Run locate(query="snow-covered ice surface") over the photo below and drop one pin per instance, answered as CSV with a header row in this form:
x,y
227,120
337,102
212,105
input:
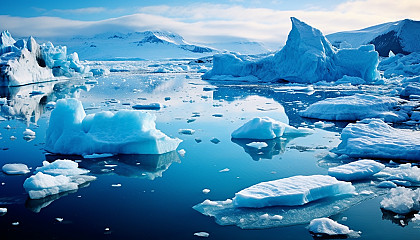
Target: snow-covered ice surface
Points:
x,y
404,174
293,191
71,131
307,57
357,170
402,200
358,107
373,138
15,168
328,227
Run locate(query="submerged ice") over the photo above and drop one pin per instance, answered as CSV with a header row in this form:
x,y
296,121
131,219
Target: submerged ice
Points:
x,y
71,131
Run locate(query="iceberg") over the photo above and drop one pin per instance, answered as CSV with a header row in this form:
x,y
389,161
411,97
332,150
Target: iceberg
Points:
x,y
15,168
373,138
357,170
402,200
72,132
307,57
357,107
292,191
329,227
264,128
25,61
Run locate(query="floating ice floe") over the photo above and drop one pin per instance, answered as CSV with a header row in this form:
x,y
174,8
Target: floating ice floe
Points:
x,y
357,107
357,170
24,62
328,227
226,213
3,211
257,145
70,131
307,57
404,174
186,131
28,134
292,191
15,168
267,128
373,138
202,234
401,65
54,178
402,200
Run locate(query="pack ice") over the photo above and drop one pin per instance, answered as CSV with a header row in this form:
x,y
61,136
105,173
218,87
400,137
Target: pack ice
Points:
x,y
307,57
373,138
357,170
71,131
267,128
292,191
56,177
25,61
357,107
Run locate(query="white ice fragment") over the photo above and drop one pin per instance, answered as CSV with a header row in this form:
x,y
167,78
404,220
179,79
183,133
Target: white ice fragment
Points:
x,y
206,191
357,170
257,145
182,152
61,167
357,107
116,185
292,191
15,223
402,200
404,172
3,211
373,138
186,131
326,226
70,131
202,234
225,170
266,216
15,168
28,134
59,219
267,128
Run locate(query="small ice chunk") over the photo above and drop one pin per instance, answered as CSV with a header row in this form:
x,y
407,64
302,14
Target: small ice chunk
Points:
x,y
202,234
225,170
151,106
326,226
3,211
61,167
292,191
182,152
116,185
15,223
404,172
206,191
402,200
266,128
357,170
28,134
186,131
59,219
257,145
15,168
50,105
41,185
386,184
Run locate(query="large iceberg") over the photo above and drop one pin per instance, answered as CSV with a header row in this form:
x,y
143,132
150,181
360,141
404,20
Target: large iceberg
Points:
x,y
358,107
357,170
25,61
267,128
292,191
373,138
307,57
71,131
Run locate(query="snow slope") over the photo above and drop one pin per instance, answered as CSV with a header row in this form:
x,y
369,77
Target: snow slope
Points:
x,y
150,45
399,37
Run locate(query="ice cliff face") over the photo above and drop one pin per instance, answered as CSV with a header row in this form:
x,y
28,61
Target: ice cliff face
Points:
x,y
307,57
25,61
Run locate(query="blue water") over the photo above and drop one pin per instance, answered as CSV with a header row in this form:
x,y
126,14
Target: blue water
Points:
x,y
157,193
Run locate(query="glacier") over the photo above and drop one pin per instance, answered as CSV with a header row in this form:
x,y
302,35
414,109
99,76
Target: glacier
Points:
x,y
71,131
307,57
373,138
358,107
25,61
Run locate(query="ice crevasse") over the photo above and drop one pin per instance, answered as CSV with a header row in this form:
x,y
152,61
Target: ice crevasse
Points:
x,y
71,131
307,57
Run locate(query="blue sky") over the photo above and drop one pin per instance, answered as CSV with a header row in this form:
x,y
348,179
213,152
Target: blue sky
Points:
x,y
265,21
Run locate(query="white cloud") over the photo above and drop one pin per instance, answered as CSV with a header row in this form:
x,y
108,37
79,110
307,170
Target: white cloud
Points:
x,y
204,21
89,10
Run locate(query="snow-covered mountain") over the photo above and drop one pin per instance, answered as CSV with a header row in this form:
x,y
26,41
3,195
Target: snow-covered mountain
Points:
x,y
150,45
399,37
242,46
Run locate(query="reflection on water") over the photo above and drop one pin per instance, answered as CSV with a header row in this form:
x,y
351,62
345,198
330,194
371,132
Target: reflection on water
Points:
x,y
274,147
147,166
400,220
28,102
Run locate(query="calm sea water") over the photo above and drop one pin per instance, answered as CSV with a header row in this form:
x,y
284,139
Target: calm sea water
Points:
x,y
157,193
